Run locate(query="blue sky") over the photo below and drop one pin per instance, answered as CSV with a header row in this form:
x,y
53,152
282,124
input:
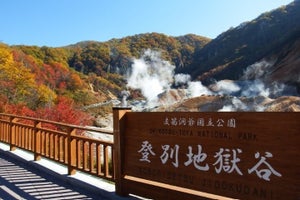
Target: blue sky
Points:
x,y
57,23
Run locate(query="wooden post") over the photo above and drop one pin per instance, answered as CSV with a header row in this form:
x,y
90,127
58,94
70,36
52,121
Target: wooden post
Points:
x,y
118,125
37,140
12,133
71,152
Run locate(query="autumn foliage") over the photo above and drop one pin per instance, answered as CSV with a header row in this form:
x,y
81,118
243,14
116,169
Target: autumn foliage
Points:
x,y
63,111
30,87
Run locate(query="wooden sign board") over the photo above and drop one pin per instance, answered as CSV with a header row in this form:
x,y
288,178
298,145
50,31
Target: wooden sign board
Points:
x,y
237,155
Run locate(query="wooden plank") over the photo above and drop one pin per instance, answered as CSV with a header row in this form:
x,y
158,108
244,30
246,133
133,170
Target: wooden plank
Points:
x,y
157,190
118,125
239,155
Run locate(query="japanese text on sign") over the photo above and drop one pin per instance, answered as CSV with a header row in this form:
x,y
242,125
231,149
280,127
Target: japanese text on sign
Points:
x,y
199,122
226,160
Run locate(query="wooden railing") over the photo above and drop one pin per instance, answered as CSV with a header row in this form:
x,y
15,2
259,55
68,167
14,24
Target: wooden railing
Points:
x,y
63,143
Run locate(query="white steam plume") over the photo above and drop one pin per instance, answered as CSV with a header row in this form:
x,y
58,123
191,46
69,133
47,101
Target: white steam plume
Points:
x,y
251,85
182,79
258,70
236,106
255,88
195,88
227,87
151,75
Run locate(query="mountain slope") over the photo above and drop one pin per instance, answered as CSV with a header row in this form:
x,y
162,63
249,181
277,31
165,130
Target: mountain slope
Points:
x,y
287,66
227,56
115,56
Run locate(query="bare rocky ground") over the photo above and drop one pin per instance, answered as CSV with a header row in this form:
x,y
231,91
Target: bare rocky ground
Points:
x,y
218,103
176,101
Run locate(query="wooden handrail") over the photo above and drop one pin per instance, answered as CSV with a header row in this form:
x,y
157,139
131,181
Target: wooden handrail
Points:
x,y
109,132
60,142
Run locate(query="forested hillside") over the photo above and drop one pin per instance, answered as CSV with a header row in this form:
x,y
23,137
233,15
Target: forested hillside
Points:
x,y
115,55
41,87
57,83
